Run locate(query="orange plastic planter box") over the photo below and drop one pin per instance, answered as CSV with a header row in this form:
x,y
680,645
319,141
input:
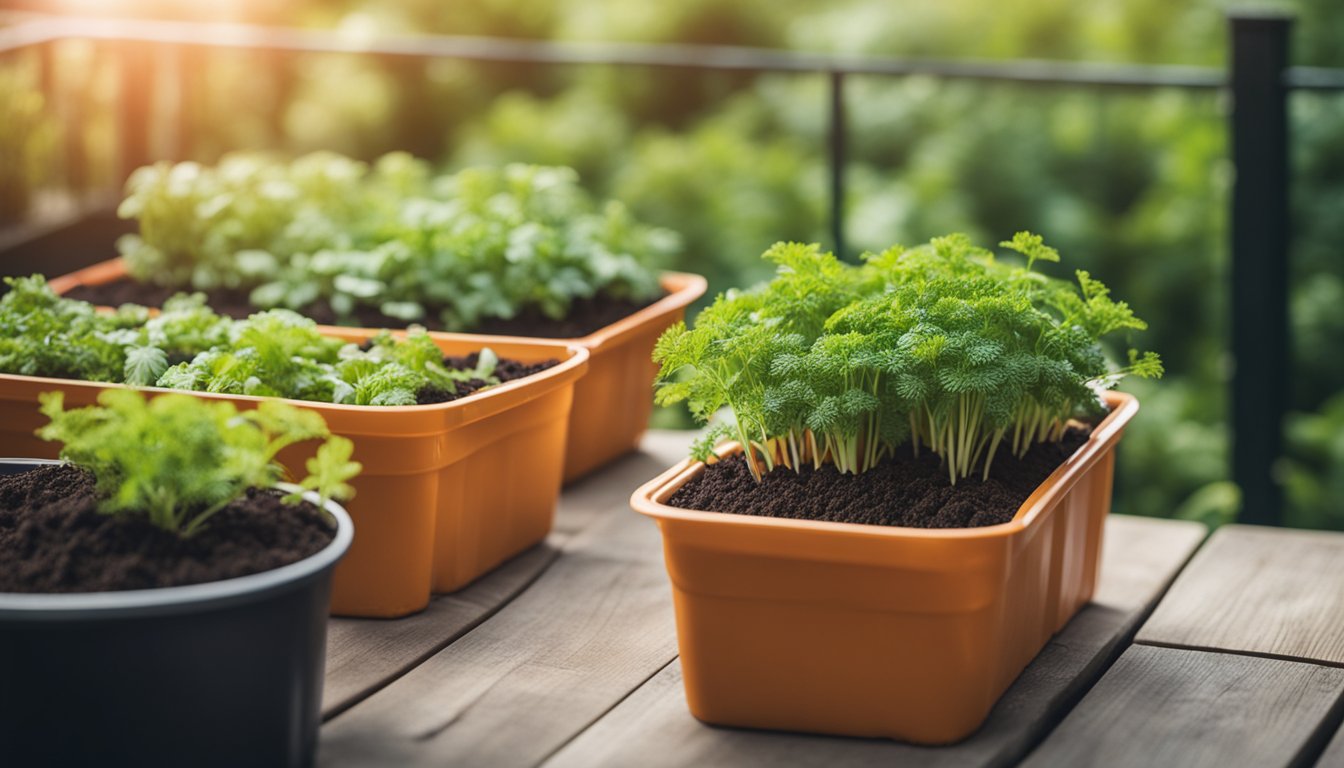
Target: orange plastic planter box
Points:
x,y
612,402
877,631
448,491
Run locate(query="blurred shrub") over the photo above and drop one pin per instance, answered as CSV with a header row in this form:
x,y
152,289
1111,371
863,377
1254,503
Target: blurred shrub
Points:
x,y
1174,450
1313,471
668,96
577,129
28,135
729,193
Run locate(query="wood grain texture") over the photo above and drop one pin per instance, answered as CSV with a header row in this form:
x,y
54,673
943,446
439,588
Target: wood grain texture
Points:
x,y
1334,753
540,670
1258,590
364,655
654,728
607,491
1196,709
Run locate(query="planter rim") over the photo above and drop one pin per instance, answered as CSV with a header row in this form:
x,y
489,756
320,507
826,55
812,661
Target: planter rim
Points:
x,y
682,289
38,606
650,499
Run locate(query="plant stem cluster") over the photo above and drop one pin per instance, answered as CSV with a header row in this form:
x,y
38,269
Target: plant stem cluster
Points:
x,y
942,347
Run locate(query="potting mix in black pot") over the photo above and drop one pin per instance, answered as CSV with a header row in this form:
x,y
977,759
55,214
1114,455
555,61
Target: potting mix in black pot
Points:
x,y
163,595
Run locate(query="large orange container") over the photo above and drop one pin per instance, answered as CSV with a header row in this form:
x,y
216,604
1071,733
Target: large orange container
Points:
x,y
448,491
612,402
877,631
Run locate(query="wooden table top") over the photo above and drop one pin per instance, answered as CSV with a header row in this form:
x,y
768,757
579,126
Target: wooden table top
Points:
x,y
1225,652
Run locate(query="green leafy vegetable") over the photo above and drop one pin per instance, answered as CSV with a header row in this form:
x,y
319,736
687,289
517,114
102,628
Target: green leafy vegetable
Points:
x,y
941,347
178,460
394,237
144,365
330,468
277,353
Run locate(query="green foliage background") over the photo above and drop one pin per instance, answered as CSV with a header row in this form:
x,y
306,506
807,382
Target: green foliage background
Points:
x,y
1130,186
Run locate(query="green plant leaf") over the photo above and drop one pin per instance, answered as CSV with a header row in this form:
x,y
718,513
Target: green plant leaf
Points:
x,y
939,345
178,460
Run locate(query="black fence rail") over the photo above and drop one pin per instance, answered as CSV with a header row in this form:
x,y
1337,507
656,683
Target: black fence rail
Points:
x,y
1258,81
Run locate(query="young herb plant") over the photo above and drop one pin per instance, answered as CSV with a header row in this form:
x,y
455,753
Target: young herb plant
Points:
x,y
394,237
178,460
280,354
187,346
942,347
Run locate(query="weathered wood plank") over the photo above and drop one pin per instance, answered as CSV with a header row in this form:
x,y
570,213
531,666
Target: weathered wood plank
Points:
x,y
654,728
608,490
1258,590
364,655
521,684
1176,706
539,671
1334,753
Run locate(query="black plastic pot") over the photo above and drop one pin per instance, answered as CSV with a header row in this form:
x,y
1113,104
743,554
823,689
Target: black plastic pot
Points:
x,y
227,673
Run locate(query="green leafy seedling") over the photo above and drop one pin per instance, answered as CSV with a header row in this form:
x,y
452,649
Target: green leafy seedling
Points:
x,y
177,460
277,353
330,470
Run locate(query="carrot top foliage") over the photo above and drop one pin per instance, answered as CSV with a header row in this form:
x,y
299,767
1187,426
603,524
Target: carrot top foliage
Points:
x,y
943,347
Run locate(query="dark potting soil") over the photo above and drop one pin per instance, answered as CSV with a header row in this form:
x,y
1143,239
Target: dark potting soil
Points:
x,y
506,370
53,539
901,490
585,315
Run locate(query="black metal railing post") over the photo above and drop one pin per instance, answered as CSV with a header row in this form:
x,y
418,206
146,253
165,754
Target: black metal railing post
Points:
x,y
837,137
1259,124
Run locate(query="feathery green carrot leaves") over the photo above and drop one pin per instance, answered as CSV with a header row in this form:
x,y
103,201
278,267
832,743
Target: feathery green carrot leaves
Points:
x,y
942,347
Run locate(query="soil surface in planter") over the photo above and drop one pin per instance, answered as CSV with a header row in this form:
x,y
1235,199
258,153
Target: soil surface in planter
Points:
x,y
506,370
53,539
585,315
900,491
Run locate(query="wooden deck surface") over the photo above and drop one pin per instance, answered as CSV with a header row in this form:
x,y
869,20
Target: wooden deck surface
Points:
x,y
1224,653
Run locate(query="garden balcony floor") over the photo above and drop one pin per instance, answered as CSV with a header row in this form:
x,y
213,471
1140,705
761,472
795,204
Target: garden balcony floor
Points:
x,y
1220,651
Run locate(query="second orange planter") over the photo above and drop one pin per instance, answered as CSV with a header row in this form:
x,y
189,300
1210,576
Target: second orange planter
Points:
x,y
448,491
878,631
612,402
